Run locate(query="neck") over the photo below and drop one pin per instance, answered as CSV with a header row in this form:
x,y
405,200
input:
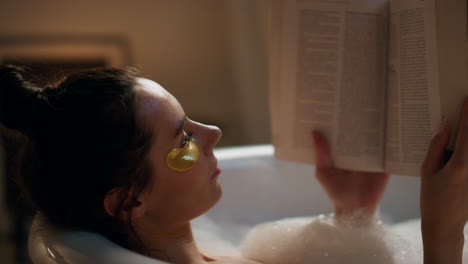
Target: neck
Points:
x,y
173,243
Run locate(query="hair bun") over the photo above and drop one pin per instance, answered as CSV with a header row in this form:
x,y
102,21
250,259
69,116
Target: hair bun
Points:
x,y
18,100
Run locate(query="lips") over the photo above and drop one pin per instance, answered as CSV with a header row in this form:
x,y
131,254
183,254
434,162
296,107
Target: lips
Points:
x,y
216,173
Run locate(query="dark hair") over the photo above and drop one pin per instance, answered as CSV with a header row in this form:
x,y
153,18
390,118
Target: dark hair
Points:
x,y
79,140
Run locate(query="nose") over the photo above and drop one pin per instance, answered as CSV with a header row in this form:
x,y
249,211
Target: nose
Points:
x,y
212,135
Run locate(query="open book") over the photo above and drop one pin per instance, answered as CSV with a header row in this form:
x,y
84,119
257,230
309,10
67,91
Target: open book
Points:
x,y
376,77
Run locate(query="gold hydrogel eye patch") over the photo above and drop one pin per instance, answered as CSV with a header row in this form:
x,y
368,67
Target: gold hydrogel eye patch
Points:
x,y
183,159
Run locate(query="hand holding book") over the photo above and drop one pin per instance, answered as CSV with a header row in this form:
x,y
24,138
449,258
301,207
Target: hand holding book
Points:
x,y
350,191
375,77
444,196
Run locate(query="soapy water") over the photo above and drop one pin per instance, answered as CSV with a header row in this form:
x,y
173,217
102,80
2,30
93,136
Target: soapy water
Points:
x,y
319,240
314,240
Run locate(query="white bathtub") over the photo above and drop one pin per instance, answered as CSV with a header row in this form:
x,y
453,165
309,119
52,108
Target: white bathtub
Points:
x,y
256,188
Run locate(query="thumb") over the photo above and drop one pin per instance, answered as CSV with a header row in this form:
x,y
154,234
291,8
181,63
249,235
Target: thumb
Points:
x,y
434,157
322,151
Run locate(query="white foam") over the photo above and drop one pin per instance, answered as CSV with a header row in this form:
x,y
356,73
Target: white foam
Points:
x,y
216,239
319,240
315,240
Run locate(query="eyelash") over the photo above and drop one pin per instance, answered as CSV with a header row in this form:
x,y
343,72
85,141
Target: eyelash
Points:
x,y
187,138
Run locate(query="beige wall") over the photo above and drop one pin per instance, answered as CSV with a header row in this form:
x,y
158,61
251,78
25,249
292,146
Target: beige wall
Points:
x,y
206,52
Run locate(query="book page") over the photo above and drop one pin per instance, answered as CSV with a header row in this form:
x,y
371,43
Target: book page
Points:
x,y
332,78
452,41
426,77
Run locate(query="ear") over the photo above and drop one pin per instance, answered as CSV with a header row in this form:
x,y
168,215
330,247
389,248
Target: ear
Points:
x,y
116,198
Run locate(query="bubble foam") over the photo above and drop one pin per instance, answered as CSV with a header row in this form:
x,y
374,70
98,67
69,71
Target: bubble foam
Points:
x,y
316,239
321,240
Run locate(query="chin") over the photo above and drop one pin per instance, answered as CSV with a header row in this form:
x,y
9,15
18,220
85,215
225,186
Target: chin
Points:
x,y
217,194
219,191
210,200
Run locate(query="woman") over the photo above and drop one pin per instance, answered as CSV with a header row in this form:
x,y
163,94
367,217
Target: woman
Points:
x,y
109,152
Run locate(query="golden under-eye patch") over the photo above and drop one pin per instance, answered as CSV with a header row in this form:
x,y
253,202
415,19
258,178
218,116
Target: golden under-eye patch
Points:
x,y
183,159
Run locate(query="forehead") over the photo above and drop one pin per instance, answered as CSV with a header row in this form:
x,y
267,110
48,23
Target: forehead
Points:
x,y
151,93
159,110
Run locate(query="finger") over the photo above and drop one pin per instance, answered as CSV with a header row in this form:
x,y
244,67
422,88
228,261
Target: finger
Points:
x,y
322,152
435,154
377,175
461,146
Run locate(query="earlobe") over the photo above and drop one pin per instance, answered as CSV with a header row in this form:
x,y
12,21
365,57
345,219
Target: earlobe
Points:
x,y
119,203
112,200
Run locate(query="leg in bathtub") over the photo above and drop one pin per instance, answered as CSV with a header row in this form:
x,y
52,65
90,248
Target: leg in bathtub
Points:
x,y
353,193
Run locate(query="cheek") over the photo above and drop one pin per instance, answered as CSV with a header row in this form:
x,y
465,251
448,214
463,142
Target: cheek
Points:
x,y
176,186
183,159
192,178
183,195
171,185
190,182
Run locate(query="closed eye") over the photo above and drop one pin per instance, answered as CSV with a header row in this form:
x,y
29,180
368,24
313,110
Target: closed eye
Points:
x,y
187,138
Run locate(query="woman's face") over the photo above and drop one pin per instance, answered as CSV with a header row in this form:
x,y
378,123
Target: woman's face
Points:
x,y
176,196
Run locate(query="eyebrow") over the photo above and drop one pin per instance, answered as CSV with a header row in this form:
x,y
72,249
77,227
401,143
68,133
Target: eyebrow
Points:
x,y
180,126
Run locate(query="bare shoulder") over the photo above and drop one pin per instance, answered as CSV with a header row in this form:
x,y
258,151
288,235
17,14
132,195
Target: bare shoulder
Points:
x,y
233,260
